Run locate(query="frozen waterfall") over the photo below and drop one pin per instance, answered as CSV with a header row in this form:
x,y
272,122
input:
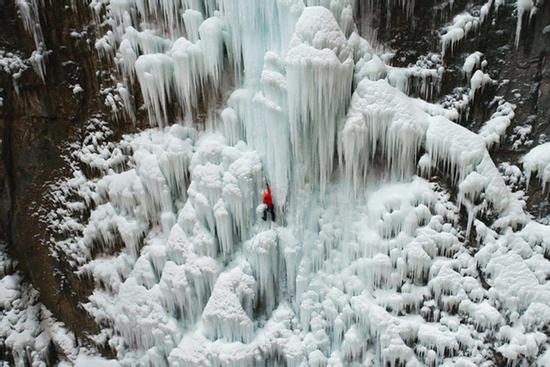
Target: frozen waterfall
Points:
x,y
371,261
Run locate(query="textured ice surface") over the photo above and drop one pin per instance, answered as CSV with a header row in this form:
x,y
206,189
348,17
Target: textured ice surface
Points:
x,y
385,279
538,161
461,27
367,263
28,330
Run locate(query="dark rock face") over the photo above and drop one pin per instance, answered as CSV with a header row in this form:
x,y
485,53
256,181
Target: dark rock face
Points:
x,y
36,122
528,72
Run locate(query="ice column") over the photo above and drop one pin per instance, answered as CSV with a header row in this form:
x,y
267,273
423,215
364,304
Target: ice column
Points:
x,y
263,255
319,78
155,76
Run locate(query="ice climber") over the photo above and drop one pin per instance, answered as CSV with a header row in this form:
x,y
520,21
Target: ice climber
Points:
x,y
268,202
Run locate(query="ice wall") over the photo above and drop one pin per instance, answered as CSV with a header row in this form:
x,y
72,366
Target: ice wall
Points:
x,y
367,263
319,74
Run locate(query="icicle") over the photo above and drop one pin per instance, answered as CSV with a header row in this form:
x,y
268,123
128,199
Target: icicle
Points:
x,y
371,126
127,101
192,19
484,11
538,160
478,82
142,322
155,74
418,262
105,46
463,24
425,165
126,59
146,42
524,9
444,343
472,62
470,192
291,250
263,255
174,288
30,12
454,147
122,12
171,15
157,198
319,76
494,130
233,128
224,228
254,28
38,62
211,43
188,72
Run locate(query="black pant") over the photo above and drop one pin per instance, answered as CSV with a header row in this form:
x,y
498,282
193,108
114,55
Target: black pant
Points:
x,y
270,209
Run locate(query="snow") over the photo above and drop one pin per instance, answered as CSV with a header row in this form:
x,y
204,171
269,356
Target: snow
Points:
x,y
478,82
371,125
544,359
461,27
483,314
456,148
472,62
77,89
537,160
227,314
410,80
86,361
537,234
27,328
494,129
515,284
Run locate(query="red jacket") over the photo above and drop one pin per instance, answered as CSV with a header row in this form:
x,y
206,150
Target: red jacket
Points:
x,y
267,198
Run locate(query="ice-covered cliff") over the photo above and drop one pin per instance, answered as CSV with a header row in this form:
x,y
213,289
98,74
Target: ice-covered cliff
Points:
x,y
399,239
